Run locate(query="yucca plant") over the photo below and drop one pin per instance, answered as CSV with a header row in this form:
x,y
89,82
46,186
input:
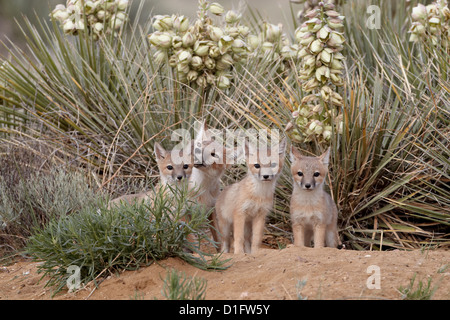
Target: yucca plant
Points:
x,y
105,101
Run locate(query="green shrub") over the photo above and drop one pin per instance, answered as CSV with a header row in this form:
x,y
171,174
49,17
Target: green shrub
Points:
x,y
33,192
100,241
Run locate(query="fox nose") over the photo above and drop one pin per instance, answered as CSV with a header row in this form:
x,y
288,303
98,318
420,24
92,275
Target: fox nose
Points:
x,y
307,186
266,177
180,178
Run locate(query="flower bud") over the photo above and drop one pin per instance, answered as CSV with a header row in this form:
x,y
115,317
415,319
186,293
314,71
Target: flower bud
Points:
x,y
214,51
324,33
122,5
177,42
183,67
180,23
98,27
159,56
327,133
210,63
272,32
188,40
323,73
160,39
215,33
316,46
307,39
68,26
223,82
232,17
201,49
225,44
335,40
201,81
192,75
101,14
244,31
216,8
60,13
184,56
419,12
163,23
253,42
196,62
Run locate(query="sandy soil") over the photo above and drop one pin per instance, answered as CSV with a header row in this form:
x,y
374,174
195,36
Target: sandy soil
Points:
x,y
270,274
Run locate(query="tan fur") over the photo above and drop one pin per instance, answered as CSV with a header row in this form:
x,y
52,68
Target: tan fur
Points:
x,y
178,174
242,207
206,175
313,212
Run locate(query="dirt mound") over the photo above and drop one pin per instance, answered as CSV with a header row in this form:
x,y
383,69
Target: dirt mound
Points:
x,y
270,275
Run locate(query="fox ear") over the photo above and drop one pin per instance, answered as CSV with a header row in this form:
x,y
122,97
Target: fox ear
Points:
x,y
282,146
325,158
160,152
294,154
203,134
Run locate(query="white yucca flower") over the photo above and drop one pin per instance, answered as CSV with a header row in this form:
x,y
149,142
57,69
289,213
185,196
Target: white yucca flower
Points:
x,y
202,52
102,16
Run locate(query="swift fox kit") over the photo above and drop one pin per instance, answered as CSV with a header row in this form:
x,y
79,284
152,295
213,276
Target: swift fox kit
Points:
x,y
170,173
313,212
209,167
242,207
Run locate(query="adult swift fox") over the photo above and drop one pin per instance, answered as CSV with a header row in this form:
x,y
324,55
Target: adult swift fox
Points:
x,y
313,211
170,173
242,207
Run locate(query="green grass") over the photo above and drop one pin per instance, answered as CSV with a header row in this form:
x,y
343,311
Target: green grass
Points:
x,y
423,290
178,286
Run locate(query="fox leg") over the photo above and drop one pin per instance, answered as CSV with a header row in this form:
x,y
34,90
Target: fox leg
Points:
x,y
299,235
225,236
238,233
332,237
319,235
257,232
248,237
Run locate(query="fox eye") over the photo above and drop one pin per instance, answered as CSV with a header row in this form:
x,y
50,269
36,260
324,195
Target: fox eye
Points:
x,y
169,167
185,166
300,174
213,154
257,166
316,174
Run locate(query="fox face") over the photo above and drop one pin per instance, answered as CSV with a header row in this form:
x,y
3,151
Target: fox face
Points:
x,y
171,171
309,172
208,152
262,164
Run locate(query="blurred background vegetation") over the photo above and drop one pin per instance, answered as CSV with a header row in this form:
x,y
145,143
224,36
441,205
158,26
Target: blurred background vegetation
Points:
x,y
274,10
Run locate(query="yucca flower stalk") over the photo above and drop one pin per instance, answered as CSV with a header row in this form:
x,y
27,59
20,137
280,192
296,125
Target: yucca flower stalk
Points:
x,y
431,22
97,17
321,41
308,5
272,44
203,54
